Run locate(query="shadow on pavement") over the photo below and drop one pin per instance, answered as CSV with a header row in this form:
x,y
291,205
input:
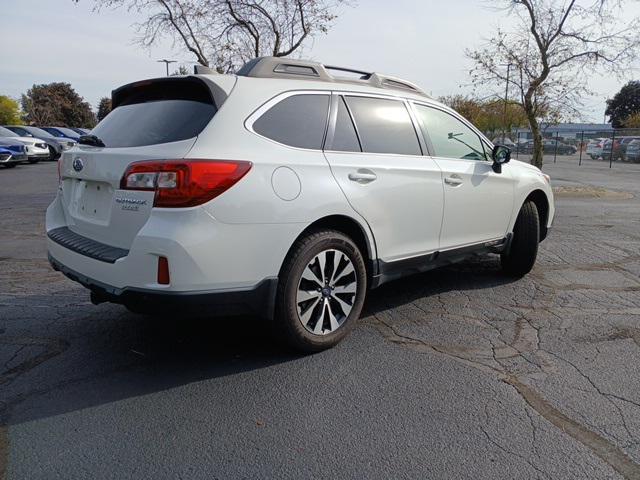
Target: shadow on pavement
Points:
x,y
85,356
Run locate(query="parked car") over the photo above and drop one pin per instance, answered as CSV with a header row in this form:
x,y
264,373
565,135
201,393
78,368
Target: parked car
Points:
x,y
55,145
594,148
623,145
286,192
12,152
80,131
36,149
549,147
62,132
507,142
619,146
633,151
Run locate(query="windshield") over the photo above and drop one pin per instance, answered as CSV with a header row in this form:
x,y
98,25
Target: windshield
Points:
x,y
5,132
38,132
68,132
54,131
163,111
152,123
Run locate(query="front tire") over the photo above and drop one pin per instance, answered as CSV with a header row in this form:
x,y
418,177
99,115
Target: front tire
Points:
x,y
321,290
521,257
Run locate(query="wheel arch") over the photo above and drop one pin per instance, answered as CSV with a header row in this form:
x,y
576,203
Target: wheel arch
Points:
x,y
351,228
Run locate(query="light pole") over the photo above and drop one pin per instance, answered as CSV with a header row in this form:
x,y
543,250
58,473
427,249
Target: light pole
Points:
x,y
167,62
506,100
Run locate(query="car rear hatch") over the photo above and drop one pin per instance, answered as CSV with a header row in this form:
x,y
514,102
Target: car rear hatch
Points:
x,y
151,120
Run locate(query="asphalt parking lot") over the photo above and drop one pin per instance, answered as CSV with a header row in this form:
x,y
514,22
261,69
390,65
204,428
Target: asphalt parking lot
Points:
x,y
457,373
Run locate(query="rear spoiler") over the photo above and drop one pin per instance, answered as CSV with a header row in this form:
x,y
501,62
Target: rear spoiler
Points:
x,y
169,88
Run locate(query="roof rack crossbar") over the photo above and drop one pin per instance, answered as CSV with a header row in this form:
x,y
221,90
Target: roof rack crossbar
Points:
x,y
276,67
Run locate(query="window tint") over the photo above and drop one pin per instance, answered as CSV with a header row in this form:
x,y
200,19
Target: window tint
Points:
x,y
384,126
449,136
297,121
21,131
345,138
155,122
5,132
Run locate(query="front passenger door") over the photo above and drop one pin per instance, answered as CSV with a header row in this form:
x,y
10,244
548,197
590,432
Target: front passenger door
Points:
x,y
375,156
477,201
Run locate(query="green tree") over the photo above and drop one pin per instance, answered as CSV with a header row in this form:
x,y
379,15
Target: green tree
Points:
x,y
104,107
624,104
9,111
544,55
632,121
57,104
488,115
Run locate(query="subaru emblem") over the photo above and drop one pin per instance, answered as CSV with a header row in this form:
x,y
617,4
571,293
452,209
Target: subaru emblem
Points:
x,y
78,164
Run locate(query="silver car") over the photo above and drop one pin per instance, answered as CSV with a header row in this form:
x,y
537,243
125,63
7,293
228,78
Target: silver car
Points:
x,y
55,145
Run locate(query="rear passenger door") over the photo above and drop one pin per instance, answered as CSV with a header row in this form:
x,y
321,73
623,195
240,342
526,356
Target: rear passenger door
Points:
x,y
376,157
477,201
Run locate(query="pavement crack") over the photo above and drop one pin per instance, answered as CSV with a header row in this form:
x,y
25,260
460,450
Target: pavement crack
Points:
x,y
600,446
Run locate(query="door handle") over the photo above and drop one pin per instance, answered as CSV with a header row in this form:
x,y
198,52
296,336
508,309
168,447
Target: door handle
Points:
x,y
363,176
453,180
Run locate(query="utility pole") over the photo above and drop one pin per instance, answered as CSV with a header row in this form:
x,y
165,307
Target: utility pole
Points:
x,y
506,101
167,62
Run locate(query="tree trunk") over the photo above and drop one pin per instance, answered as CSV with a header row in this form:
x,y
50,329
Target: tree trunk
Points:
x,y
538,151
536,158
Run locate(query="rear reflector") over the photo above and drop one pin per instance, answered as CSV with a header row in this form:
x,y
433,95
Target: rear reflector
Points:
x,y
163,271
184,183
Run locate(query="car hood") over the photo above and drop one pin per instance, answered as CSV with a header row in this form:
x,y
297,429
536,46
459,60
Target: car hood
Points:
x,y
525,165
6,142
27,140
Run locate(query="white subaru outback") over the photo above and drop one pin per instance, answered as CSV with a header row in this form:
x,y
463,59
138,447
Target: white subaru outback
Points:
x,y
287,190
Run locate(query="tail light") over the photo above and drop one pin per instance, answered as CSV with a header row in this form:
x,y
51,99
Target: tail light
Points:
x,y
184,183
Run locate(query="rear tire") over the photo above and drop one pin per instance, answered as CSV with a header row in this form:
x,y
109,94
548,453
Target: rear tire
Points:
x,y
521,257
10,165
317,307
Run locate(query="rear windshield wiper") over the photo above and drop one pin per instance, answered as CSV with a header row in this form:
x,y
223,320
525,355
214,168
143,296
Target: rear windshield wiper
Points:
x,y
91,140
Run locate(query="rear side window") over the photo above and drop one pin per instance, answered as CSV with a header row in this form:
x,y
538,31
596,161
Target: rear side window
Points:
x,y
298,121
384,126
160,112
345,138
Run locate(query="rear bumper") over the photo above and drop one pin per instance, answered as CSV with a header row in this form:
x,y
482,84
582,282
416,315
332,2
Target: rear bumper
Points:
x,y
256,300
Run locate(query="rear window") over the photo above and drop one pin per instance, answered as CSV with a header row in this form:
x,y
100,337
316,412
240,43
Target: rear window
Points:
x,y
160,112
298,121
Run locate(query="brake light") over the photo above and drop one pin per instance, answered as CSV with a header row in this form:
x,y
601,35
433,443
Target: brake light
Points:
x,y
184,183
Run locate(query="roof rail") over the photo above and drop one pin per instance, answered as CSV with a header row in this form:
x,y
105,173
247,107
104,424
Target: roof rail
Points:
x,y
202,70
275,67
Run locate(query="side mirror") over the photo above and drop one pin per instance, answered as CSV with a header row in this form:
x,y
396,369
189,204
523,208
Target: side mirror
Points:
x,y
500,156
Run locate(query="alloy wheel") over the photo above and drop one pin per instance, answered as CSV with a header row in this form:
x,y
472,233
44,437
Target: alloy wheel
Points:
x,y
326,292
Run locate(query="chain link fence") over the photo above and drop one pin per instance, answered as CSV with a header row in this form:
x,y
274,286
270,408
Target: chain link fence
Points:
x,y
606,147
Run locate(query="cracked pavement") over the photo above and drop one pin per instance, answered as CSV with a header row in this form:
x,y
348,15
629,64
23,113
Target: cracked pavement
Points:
x,y
455,373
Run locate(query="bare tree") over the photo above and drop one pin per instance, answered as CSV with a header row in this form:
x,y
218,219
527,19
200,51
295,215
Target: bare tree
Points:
x,y
224,34
555,47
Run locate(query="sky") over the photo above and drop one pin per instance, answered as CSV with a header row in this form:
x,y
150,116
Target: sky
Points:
x,y
419,40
